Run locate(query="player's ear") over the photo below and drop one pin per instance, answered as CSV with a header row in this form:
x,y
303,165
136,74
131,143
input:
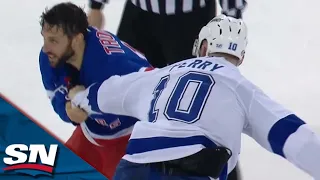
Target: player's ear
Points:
x,y
76,40
203,48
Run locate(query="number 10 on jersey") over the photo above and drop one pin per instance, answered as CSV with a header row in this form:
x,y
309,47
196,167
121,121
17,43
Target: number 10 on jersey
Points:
x,y
187,99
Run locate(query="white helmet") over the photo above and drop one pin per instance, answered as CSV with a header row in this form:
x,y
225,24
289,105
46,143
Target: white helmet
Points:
x,y
224,35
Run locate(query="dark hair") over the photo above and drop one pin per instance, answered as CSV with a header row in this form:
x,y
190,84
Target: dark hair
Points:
x,y
68,16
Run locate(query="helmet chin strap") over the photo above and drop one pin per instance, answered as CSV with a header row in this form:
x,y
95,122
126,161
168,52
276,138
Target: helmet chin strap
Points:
x,y
195,48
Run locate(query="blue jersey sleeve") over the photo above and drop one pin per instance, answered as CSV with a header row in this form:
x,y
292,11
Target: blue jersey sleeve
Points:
x,y
57,92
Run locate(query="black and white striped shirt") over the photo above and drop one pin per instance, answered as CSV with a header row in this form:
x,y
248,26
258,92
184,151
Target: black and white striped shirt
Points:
x,y
229,7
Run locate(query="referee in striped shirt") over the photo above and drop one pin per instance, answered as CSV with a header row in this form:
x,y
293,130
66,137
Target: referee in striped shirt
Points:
x,y
165,30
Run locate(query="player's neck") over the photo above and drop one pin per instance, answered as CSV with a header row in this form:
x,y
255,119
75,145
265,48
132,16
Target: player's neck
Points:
x,y
227,57
77,58
232,61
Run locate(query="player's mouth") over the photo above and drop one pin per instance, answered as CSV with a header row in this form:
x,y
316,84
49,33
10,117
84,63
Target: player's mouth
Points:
x,y
50,57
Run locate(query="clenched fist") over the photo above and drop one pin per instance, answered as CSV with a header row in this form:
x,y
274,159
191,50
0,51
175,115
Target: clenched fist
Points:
x,y
76,114
73,91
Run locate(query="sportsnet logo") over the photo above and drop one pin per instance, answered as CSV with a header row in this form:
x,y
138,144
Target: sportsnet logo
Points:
x,y
19,158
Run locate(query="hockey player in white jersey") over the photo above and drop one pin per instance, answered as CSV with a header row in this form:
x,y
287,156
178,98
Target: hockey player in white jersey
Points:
x,y
193,112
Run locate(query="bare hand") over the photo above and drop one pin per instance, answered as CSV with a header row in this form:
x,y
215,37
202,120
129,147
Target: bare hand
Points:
x,y
73,91
76,114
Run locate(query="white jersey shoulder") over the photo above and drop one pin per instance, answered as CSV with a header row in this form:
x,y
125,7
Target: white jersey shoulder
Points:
x,y
198,91
143,84
198,103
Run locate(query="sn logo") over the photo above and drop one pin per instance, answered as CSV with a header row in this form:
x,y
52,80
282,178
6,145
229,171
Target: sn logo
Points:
x,y
18,159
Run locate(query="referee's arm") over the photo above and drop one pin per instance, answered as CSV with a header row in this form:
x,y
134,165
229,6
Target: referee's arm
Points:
x,y
233,8
97,4
95,15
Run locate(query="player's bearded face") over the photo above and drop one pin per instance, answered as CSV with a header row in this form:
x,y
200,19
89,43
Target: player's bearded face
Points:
x,y
65,56
56,45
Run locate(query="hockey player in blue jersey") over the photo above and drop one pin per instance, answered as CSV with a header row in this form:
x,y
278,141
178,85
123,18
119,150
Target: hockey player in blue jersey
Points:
x,y
193,113
74,53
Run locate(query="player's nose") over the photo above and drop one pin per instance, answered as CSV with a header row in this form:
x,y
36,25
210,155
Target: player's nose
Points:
x,y
45,48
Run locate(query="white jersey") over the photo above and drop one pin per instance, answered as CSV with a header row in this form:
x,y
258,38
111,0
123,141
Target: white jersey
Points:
x,y
198,103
